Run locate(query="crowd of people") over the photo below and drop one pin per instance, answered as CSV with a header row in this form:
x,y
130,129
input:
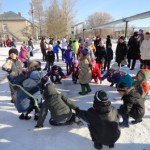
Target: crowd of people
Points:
x,y
86,60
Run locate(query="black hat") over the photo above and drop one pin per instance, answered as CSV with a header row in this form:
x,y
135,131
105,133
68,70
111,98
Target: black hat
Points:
x,y
109,44
122,37
55,67
135,34
13,50
122,87
101,96
84,52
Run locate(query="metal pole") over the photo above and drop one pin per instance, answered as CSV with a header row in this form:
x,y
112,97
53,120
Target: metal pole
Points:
x,y
126,29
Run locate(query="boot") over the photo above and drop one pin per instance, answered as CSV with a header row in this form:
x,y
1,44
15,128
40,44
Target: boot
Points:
x,y
88,89
83,92
136,121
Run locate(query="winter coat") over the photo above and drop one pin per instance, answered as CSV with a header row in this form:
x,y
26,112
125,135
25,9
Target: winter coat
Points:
x,y
108,41
142,86
28,92
50,57
100,54
121,52
43,47
145,49
90,51
113,77
23,55
85,71
13,67
80,49
75,47
75,70
59,106
103,123
56,49
134,49
69,56
127,79
96,43
96,71
64,44
109,54
132,105
53,73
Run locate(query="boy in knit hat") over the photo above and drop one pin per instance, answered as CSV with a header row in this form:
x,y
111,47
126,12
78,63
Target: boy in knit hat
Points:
x,y
85,74
14,68
133,105
102,121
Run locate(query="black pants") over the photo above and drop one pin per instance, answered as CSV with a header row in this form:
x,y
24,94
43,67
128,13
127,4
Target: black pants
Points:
x,y
62,52
107,64
133,63
57,57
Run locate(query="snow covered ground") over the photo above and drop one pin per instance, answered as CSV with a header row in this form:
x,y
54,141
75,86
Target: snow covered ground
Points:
x,y
18,134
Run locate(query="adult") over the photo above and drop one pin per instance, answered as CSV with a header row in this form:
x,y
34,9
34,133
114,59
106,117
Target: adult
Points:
x,y
97,41
64,47
121,51
30,44
43,47
133,50
141,35
145,49
108,41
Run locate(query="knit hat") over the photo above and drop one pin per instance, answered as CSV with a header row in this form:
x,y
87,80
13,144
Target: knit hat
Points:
x,y
101,96
87,40
124,69
122,87
35,75
13,50
98,36
115,66
84,52
76,62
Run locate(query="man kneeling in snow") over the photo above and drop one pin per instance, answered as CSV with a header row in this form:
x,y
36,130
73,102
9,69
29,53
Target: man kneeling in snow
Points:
x,y
60,108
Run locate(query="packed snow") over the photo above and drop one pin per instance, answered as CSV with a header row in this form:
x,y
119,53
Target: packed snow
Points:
x,y
18,134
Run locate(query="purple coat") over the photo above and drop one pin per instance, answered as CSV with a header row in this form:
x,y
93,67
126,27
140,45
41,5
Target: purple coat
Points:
x,y
69,56
112,77
23,55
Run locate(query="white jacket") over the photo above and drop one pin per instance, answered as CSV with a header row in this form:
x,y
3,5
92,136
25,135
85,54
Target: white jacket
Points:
x,y
145,49
64,44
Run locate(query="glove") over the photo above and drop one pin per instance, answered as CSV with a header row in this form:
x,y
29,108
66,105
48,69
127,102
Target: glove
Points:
x,y
39,126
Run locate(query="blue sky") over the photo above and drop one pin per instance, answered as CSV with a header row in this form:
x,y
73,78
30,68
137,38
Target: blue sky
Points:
x,y
117,8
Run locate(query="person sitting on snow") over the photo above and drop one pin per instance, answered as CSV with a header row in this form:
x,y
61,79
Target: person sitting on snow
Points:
x,y
113,75
133,105
60,108
102,121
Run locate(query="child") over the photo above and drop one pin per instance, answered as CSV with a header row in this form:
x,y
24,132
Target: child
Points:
x,y
102,121
100,55
75,71
113,75
60,108
50,58
96,73
23,55
80,48
56,74
133,105
14,68
56,50
109,57
85,74
125,77
141,84
69,57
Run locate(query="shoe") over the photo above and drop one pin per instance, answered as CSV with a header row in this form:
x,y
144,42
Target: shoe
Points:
x,y
111,146
89,90
82,93
37,126
75,82
80,123
123,125
21,117
24,117
36,117
12,101
136,121
98,146
112,84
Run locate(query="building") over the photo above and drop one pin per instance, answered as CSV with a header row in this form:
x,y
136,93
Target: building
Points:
x,y
15,26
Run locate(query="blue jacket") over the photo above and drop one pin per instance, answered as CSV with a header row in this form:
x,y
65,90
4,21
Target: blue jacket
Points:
x,y
56,49
69,56
127,79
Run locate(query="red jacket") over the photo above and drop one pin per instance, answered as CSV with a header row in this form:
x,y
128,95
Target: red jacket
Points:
x,y
96,71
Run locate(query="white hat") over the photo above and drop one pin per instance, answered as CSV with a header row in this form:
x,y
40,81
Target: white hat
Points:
x,y
124,69
115,66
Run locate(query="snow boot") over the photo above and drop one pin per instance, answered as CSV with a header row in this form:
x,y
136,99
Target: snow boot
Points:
x,y
111,146
24,117
88,88
112,84
136,121
98,146
83,92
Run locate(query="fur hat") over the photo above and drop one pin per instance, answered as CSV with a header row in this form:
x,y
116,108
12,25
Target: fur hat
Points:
x,y
101,96
122,87
124,69
84,52
13,50
115,66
